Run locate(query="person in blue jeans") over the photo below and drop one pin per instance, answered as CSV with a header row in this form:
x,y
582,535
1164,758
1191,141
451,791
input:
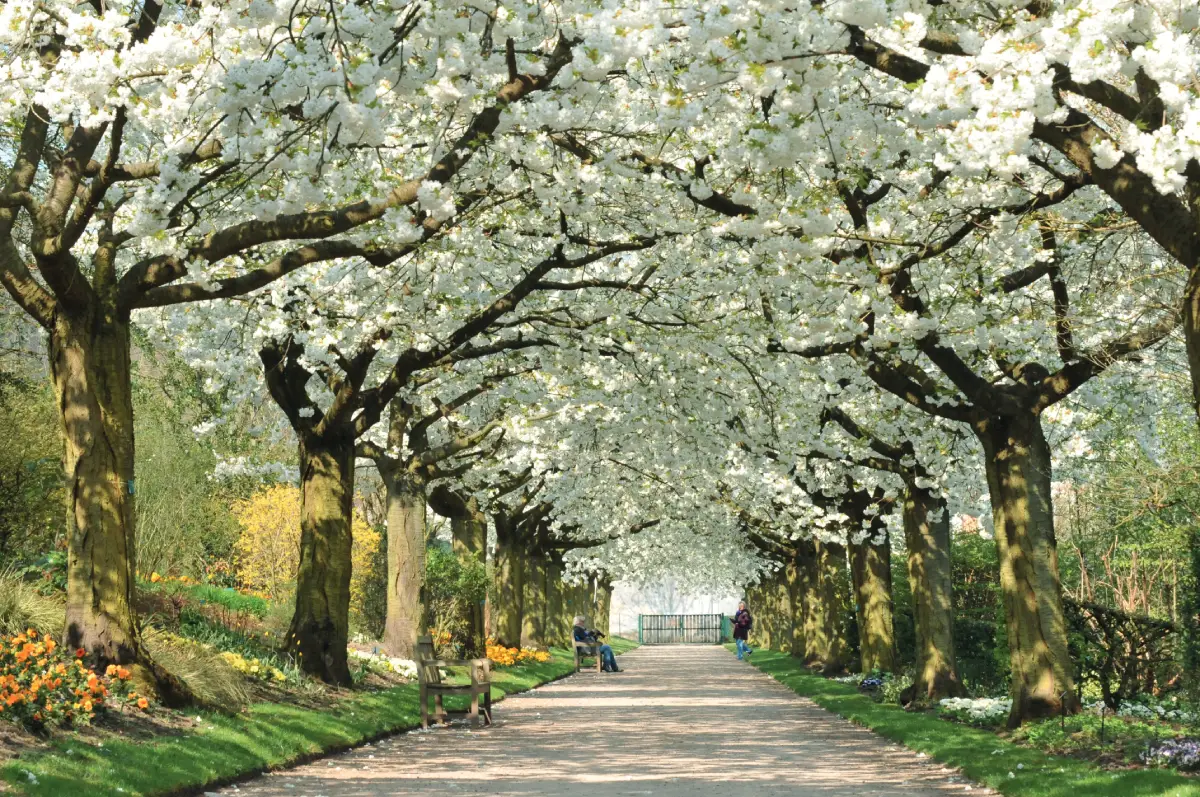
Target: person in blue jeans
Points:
x,y
742,623
608,659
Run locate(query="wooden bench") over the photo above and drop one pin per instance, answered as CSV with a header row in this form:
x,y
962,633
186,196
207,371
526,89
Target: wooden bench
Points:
x,y
585,649
430,684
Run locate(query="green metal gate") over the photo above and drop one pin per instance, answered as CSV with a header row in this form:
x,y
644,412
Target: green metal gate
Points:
x,y
680,629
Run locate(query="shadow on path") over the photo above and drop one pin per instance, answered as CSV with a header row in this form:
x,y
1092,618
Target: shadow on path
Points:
x,y
678,721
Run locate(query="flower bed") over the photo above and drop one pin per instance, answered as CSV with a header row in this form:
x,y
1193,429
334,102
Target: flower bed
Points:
x,y
978,710
41,685
405,668
1182,754
506,657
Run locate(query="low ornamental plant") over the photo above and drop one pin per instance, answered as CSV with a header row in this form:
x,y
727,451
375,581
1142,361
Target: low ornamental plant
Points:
x,y
506,657
43,686
984,711
1182,754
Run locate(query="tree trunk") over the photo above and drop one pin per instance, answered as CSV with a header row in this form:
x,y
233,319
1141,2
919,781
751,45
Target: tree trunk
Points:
x,y
871,571
781,612
824,640
320,625
558,625
468,531
533,625
407,596
795,598
604,605
1018,474
91,370
927,537
508,592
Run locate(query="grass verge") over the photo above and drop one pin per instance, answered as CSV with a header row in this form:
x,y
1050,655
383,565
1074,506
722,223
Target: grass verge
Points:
x,y
981,755
265,736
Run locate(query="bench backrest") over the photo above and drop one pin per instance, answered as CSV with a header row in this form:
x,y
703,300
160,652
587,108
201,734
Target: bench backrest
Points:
x,y
427,673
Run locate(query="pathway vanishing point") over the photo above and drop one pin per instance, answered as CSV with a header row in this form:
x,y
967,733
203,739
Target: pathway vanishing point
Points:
x,y
679,721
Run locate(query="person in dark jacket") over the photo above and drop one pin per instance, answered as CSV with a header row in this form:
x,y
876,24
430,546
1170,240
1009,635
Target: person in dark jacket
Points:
x,y
607,657
742,623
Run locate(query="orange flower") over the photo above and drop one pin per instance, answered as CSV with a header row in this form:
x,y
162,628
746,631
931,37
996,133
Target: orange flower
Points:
x,y
143,703
122,674
111,670
80,653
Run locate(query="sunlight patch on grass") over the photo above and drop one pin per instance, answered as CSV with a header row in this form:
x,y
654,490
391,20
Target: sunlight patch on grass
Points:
x,y
265,736
981,755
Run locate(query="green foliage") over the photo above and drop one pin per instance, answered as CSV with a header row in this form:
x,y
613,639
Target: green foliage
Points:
x,y
184,519
23,606
195,626
980,633
226,597
454,588
32,495
1191,614
49,572
1084,734
372,611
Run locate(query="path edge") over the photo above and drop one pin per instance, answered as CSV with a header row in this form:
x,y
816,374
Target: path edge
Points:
x,y
335,749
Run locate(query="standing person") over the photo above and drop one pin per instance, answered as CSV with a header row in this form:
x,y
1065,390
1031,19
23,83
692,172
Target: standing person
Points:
x,y
582,634
742,623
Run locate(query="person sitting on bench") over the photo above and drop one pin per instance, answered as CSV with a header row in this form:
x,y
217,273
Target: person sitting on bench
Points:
x,y
582,634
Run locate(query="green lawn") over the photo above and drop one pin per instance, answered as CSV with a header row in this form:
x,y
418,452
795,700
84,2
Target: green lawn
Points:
x,y
982,756
265,736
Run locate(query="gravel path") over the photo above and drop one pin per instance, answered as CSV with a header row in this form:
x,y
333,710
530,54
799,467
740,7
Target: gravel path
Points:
x,y
678,722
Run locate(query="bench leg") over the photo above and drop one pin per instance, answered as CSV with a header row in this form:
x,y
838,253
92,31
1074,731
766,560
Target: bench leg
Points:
x,y
599,662
474,712
487,705
439,710
424,709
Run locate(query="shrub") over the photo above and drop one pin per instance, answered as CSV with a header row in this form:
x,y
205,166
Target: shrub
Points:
x,y
42,685
22,606
225,597
215,636
32,488
455,588
267,554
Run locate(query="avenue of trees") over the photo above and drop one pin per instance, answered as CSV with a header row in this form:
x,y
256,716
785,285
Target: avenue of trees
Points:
x,y
777,298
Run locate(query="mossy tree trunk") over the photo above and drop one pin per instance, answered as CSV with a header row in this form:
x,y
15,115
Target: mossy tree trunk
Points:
x,y
782,629
795,606
927,537
1018,473
558,625
533,623
508,589
604,604
320,625
91,369
825,646
407,593
468,529
871,575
